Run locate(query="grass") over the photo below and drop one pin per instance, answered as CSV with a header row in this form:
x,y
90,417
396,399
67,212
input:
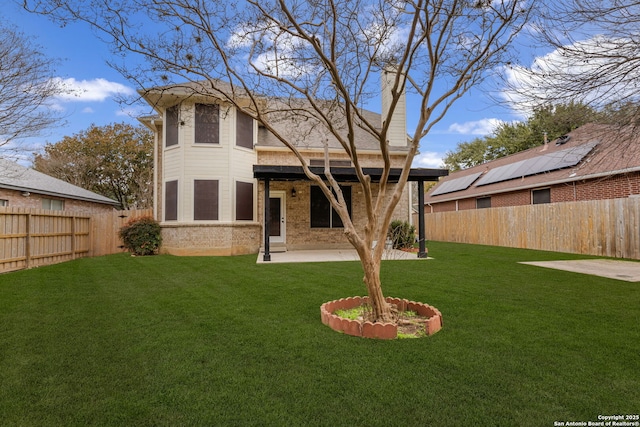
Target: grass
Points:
x,y
165,340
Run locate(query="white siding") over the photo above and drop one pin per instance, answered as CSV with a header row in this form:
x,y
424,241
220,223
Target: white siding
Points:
x,y
224,162
398,128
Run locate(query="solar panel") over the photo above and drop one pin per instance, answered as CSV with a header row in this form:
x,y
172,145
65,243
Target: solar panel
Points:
x,y
539,164
457,184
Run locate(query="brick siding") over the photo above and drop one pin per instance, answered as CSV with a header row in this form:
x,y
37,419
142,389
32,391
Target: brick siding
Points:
x,y
611,187
34,201
300,235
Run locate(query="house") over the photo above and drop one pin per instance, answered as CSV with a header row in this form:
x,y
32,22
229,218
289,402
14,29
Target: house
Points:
x,y
592,162
22,187
223,182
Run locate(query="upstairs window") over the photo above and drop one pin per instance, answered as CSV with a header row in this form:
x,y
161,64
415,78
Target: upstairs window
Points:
x,y
541,196
244,130
4,202
207,124
171,126
322,214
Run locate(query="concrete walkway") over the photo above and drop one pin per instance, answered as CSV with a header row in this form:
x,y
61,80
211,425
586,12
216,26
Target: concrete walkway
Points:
x,y
610,268
331,255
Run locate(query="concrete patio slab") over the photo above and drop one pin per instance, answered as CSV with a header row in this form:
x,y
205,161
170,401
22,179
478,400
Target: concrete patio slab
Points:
x,y
612,269
331,255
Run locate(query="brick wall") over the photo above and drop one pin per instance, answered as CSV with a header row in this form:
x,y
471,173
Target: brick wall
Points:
x,y
300,235
286,158
34,201
614,187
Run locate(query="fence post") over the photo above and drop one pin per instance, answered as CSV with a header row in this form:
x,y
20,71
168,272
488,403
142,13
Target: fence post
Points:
x,y
27,243
73,237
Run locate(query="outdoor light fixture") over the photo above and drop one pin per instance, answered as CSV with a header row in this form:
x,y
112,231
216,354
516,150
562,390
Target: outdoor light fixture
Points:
x,y
25,193
293,192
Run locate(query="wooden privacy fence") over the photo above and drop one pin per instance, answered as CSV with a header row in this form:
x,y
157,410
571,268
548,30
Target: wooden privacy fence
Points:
x,y
33,237
105,228
601,227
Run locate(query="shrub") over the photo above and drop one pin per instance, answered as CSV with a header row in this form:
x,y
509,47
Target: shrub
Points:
x,y
141,236
402,234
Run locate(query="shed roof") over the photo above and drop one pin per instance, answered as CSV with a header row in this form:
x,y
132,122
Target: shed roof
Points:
x,y
16,177
342,174
589,152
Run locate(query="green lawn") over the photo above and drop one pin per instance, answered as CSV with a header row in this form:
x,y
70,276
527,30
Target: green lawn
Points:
x,y
181,341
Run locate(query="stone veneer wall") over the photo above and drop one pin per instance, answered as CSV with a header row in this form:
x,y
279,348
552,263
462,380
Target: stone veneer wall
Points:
x,y
211,239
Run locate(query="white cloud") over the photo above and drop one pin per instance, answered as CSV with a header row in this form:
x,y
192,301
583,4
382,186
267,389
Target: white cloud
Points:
x,y
477,127
428,159
90,90
589,71
281,54
88,110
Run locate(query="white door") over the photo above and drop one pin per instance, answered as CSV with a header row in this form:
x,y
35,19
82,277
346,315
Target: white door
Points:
x,y
277,224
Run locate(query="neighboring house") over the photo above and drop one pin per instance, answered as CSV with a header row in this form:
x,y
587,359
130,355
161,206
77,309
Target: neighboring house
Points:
x,y
22,187
593,162
223,182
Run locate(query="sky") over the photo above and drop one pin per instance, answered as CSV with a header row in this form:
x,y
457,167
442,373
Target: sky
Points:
x,y
82,66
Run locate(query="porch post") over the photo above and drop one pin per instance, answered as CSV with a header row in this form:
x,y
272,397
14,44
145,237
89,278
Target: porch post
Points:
x,y
267,221
422,251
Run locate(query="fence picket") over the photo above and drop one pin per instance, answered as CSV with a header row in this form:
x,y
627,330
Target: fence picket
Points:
x,y
598,227
35,237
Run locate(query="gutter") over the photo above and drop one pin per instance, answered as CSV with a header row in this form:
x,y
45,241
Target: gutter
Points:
x,y
60,195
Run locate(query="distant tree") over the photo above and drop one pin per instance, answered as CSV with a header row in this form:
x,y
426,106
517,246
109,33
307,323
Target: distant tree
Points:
x,y
467,154
115,161
27,86
510,138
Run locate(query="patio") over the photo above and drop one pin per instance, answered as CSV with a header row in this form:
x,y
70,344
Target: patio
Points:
x,y
331,255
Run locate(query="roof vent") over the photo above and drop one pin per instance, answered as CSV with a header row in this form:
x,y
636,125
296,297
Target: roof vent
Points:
x,y
563,139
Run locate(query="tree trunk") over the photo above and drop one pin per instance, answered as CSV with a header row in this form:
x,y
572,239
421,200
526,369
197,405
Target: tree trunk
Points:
x,y
381,309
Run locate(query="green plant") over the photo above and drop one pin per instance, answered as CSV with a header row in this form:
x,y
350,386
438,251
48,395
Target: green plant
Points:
x,y
165,340
351,313
141,236
402,234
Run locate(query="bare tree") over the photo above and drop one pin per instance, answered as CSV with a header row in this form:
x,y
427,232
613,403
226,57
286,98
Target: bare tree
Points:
x,y
27,85
595,58
329,54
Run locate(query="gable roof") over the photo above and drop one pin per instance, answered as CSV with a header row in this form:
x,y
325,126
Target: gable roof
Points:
x,y
589,152
307,136
298,129
16,177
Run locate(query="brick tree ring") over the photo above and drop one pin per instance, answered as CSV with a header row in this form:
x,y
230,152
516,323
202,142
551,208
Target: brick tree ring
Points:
x,y
360,328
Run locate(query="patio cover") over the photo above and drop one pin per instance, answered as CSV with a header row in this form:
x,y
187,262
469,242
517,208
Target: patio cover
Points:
x,y
269,173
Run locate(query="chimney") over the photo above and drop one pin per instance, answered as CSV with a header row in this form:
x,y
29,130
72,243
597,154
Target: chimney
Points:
x,y
546,141
397,134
